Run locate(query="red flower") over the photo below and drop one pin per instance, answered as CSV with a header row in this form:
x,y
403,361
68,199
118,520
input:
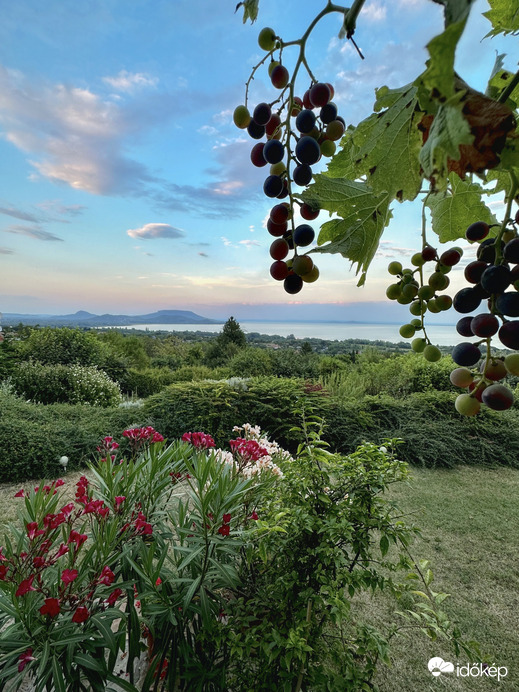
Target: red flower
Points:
x,y
62,550
77,538
51,607
32,530
81,614
226,518
68,575
59,483
20,493
199,440
24,659
67,509
224,530
119,500
254,516
107,576
3,571
112,598
25,586
38,562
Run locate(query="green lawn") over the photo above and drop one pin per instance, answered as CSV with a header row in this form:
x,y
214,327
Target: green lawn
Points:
x,y
470,522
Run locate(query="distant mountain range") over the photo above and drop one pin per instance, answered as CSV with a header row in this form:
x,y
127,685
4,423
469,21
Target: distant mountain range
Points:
x,y
88,319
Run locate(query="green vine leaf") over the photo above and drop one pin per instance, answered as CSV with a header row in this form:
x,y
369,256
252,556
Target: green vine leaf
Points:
x,y
385,146
250,10
508,169
455,10
363,216
453,210
504,17
449,129
498,82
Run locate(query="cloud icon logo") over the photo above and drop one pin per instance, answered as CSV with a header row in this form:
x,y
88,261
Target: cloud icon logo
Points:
x,y
437,666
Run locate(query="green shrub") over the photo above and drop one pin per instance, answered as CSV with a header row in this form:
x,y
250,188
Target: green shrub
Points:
x,y
74,384
34,437
144,383
53,345
251,362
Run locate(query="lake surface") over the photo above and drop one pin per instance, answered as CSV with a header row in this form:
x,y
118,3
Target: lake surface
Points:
x,y
441,335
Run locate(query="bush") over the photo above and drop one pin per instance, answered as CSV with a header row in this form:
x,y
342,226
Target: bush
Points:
x,y
52,345
74,384
34,437
251,362
144,383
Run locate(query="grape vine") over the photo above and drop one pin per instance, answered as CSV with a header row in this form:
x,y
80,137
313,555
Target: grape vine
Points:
x,y
435,138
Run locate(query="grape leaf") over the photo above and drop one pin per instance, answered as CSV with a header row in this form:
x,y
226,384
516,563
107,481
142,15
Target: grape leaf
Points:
x,y
385,146
508,167
455,10
453,210
250,10
498,82
504,17
449,129
364,215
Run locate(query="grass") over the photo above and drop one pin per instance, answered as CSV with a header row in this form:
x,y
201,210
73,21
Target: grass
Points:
x,y
470,523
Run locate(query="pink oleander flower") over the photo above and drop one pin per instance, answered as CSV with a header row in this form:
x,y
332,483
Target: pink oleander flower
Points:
x,y
24,659
77,538
119,500
112,598
32,530
224,530
107,576
80,615
226,518
62,550
58,483
25,586
69,575
67,509
254,516
51,607
38,562
3,572
199,440
20,493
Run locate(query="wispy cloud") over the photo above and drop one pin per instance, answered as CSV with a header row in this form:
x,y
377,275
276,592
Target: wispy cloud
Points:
x,y
18,214
33,232
129,81
6,251
151,231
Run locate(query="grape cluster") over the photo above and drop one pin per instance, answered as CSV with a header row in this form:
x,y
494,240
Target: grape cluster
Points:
x,y
293,133
493,280
422,296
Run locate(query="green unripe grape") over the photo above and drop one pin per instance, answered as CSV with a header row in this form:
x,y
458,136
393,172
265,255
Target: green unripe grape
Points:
x,y
432,306
418,345
403,300
407,331
444,302
289,263
425,292
394,268
407,271
267,39
457,249
278,168
461,377
410,290
241,117
272,65
512,363
438,281
443,268
311,276
408,278
393,291
417,308
302,264
328,148
417,324
417,260
467,405
432,353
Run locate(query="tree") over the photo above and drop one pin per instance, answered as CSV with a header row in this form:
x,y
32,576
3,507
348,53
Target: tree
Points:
x,y
232,334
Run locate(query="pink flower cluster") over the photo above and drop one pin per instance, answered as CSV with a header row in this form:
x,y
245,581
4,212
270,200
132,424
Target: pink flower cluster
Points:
x,y
107,448
199,440
248,450
140,438
225,529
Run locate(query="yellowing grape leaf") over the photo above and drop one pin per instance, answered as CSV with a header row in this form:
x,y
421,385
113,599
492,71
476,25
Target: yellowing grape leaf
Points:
x,y
363,216
250,10
385,146
448,131
453,210
504,17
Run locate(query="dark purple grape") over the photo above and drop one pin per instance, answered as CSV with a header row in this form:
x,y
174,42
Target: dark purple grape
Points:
x,y
480,291
302,174
514,274
273,151
308,150
262,114
498,397
477,231
290,240
466,354
487,251
474,270
255,131
466,300
463,326
280,213
276,229
320,94
305,121
328,113
284,190
273,186
256,155
450,257
304,235
429,253
485,325
496,279
511,251
509,335
508,304
293,283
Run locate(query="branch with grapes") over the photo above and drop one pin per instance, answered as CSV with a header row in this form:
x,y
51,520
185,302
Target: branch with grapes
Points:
x,y
435,139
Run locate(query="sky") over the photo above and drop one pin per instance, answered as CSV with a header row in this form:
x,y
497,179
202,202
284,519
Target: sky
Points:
x,y
126,188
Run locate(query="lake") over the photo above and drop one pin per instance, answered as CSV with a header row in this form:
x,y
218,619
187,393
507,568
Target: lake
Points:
x,y
441,335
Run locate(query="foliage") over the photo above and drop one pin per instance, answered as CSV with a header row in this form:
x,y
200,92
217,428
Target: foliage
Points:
x,y
252,362
144,383
74,384
65,346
